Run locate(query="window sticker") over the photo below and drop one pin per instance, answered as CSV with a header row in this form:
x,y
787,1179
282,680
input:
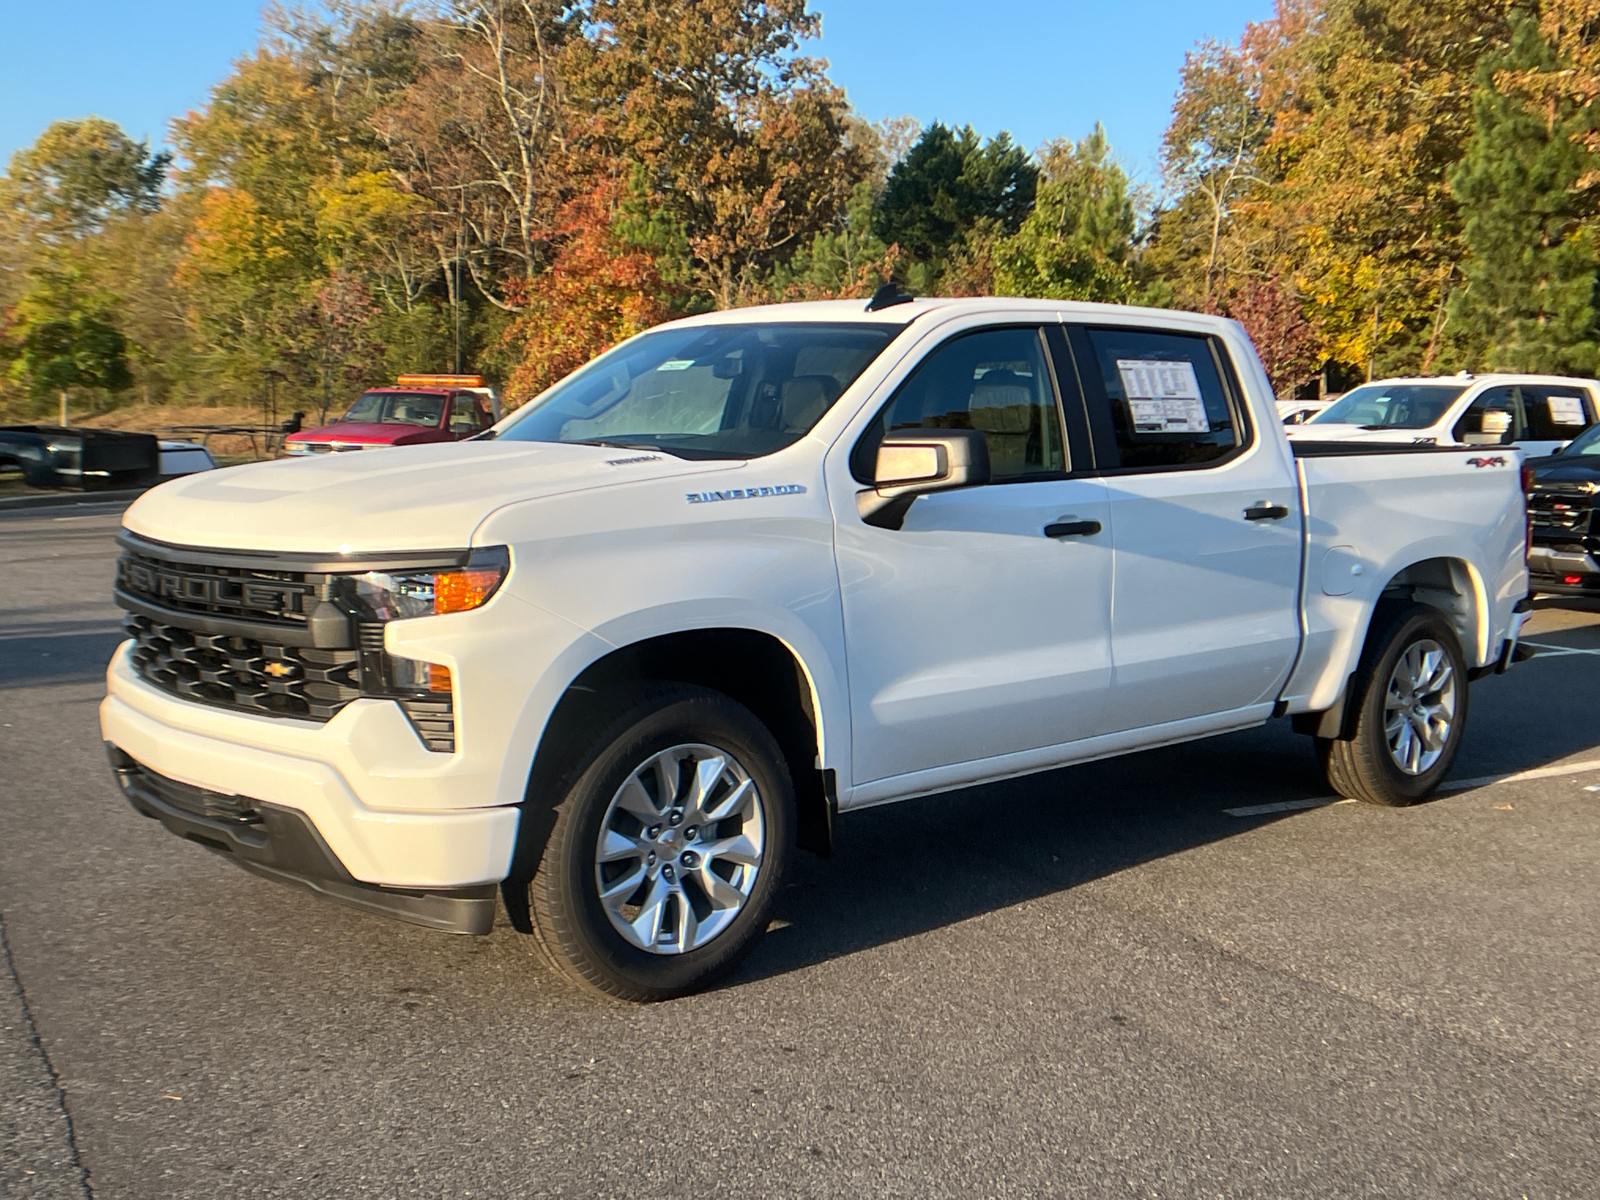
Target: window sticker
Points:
x,y
676,364
1566,410
1163,396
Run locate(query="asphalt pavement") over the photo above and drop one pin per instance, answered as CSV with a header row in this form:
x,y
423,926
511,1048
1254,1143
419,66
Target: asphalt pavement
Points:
x,y
1179,974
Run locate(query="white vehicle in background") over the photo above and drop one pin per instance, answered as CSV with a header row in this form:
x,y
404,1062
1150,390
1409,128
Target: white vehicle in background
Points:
x,y
1535,413
755,568
1298,412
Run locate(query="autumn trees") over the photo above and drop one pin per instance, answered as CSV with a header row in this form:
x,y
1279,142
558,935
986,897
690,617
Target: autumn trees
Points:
x,y
513,185
1412,181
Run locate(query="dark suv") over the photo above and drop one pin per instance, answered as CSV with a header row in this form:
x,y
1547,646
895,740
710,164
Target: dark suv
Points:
x,y
1564,555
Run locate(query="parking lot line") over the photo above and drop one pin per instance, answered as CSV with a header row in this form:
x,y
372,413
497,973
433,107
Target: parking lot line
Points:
x,y
1548,651
1453,785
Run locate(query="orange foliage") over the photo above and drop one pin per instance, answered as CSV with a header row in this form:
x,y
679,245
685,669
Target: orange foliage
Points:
x,y
597,292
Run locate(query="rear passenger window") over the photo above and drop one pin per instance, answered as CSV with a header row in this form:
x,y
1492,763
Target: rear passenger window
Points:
x,y
1555,414
995,381
1168,404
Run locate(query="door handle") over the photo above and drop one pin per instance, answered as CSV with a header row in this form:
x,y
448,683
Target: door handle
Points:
x,y
1063,529
1265,512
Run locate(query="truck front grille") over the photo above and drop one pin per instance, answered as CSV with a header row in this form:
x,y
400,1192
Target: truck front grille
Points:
x,y
243,674
273,597
1557,509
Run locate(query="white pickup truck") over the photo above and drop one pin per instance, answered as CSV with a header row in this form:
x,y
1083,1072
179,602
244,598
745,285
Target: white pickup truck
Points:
x,y
753,569
1538,414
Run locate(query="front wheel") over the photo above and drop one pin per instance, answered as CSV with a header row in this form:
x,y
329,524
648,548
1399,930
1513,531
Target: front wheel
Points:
x,y
669,849
1411,691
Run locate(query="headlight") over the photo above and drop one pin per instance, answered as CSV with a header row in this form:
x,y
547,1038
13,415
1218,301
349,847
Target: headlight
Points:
x,y
400,596
423,689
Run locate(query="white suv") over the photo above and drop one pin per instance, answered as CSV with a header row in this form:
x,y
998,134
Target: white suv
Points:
x,y
1537,413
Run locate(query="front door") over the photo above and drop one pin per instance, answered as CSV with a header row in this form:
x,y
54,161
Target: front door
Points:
x,y
1206,528
971,633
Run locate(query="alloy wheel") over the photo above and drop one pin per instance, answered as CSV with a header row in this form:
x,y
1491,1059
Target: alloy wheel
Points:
x,y
1420,706
680,848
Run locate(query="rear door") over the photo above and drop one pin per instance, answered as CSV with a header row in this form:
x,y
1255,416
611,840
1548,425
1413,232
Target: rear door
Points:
x,y
1554,414
1205,517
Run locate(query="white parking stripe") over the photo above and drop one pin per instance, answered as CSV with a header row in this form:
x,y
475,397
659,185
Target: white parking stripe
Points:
x,y
1555,651
1454,785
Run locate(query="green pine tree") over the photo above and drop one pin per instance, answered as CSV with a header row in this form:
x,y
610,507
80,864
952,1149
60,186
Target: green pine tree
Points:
x,y
1529,304
949,184
1078,242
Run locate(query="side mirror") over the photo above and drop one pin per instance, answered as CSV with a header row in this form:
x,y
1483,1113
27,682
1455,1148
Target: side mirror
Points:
x,y
914,462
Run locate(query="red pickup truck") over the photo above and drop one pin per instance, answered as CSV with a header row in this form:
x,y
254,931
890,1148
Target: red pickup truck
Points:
x,y
419,409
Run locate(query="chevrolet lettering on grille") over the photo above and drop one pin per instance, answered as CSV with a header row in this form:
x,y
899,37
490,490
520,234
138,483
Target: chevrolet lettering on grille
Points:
x,y
213,591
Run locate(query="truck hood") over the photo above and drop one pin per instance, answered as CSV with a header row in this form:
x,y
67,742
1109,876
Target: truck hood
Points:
x,y
408,498
362,433
1562,469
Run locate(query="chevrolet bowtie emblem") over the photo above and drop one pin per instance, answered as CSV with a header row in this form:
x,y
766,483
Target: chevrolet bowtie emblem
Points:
x,y
279,670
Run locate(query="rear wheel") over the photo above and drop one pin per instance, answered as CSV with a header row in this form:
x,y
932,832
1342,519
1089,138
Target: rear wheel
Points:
x,y
1411,691
668,850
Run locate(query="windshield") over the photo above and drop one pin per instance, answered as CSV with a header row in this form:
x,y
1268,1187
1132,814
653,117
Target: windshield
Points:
x,y
1391,406
396,408
719,391
1587,443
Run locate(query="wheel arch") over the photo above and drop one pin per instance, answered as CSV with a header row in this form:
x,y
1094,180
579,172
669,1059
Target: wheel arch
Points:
x,y
1454,587
1448,583
753,666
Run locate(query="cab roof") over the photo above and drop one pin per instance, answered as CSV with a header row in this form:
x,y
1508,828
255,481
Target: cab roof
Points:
x,y
1500,377
855,311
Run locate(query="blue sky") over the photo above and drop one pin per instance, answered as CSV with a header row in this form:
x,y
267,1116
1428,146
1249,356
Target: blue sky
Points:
x,y
1039,68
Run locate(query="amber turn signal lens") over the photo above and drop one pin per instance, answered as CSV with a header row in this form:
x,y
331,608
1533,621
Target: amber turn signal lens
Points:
x,y
462,591
438,678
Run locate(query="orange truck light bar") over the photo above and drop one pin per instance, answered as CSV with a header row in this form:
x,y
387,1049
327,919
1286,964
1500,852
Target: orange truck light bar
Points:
x,y
463,381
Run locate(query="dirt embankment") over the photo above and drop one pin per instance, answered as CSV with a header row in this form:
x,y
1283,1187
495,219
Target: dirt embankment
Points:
x,y
168,421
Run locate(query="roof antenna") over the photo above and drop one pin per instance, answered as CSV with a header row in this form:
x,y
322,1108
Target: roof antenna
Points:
x,y
888,296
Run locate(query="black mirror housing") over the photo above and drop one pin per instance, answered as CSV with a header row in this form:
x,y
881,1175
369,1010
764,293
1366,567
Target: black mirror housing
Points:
x,y
915,462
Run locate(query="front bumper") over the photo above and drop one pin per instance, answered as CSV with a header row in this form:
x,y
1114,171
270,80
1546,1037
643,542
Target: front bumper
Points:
x,y
390,812
1563,571
281,843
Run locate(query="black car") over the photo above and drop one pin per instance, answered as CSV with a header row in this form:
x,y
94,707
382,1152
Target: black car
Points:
x,y
90,460
1564,555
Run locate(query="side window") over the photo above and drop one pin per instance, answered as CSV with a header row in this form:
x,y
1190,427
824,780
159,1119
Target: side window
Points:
x,y
1490,420
1554,414
995,381
466,413
1168,404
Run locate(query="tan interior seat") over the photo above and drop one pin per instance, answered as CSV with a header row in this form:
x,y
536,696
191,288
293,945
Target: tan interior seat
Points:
x,y
1002,407
804,399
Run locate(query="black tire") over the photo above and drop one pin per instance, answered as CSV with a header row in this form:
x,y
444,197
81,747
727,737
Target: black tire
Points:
x,y
568,921
1363,767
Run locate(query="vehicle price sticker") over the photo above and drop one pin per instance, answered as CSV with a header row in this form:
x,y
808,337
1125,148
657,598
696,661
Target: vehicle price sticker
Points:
x,y
1163,396
1566,410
